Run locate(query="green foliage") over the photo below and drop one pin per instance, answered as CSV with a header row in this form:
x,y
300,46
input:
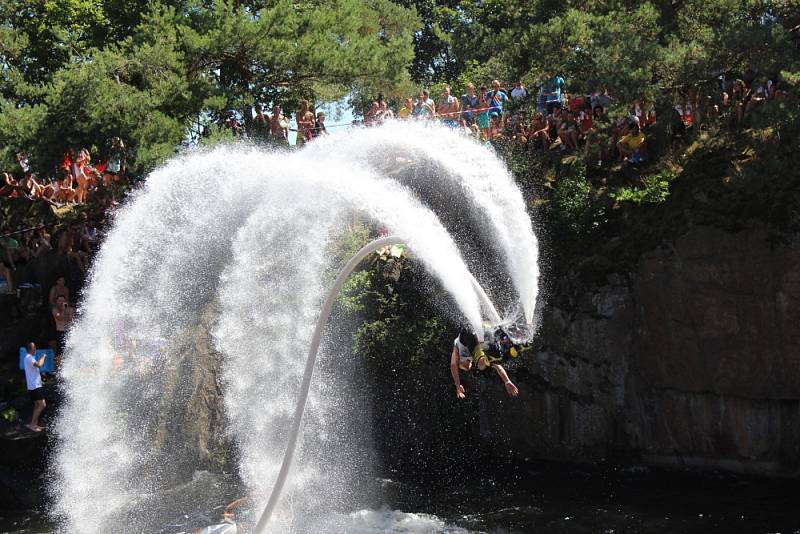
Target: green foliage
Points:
x,y
656,189
571,198
10,415
157,73
637,49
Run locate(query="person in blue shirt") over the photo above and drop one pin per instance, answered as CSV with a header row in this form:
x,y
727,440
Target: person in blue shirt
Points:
x,y
555,86
497,98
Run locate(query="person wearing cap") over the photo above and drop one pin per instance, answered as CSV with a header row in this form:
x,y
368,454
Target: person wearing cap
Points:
x,y
469,352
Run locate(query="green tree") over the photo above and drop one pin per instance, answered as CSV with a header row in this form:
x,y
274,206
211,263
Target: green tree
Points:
x,y
155,76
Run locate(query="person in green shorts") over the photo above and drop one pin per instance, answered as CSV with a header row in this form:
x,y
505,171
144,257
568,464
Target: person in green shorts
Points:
x,y
468,352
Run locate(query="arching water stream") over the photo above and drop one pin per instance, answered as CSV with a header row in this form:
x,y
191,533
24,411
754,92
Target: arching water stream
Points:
x,y
245,235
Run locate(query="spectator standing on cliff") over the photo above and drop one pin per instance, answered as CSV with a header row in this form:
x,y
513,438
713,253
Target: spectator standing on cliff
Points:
x,y
386,113
424,108
497,99
469,102
279,127
62,315
261,125
519,92
22,161
449,108
305,123
116,158
33,379
600,98
555,86
320,126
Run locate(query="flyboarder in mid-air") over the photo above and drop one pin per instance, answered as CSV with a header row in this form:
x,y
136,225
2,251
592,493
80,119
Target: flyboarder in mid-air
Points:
x,y
469,352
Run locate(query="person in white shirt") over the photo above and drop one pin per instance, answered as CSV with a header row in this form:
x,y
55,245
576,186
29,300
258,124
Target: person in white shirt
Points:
x,y
33,378
519,92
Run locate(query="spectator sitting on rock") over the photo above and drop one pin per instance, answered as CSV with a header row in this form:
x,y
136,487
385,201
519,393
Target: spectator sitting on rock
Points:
x,y
40,242
33,380
538,132
449,108
633,147
469,102
568,132
65,193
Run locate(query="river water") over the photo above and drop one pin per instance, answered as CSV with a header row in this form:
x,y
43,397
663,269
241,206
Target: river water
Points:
x,y
562,499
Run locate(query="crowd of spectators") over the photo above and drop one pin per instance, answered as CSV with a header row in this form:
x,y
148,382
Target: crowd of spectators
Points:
x,y
33,258
592,123
274,128
75,180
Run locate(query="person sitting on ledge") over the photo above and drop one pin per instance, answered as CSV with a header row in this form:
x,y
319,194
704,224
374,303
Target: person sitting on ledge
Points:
x,y
633,147
466,350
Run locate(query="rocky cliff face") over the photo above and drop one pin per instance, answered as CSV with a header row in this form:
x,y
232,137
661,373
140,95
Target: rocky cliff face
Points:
x,y
693,359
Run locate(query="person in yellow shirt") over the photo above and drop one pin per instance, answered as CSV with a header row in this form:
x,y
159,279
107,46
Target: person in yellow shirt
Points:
x,y
407,109
633,147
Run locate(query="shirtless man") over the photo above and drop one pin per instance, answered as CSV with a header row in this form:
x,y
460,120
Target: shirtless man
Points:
x,y
279,126
449,107
62,315
305,123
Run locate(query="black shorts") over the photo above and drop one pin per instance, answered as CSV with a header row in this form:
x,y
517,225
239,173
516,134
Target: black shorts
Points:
x,y
36,394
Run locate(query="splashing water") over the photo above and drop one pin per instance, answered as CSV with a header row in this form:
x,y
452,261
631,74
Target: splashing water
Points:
x,y
241,236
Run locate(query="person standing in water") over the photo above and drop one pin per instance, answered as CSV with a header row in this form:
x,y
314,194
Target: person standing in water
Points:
x,y
466,350
33,379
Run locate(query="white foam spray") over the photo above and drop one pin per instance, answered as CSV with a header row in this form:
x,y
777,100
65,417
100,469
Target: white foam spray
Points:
x,y
244,234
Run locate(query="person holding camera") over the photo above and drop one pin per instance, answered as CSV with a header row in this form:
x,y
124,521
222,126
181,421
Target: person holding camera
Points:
x,y
33,379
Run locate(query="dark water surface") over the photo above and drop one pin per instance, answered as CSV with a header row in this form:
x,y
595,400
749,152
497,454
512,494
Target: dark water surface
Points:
x,y
558,499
